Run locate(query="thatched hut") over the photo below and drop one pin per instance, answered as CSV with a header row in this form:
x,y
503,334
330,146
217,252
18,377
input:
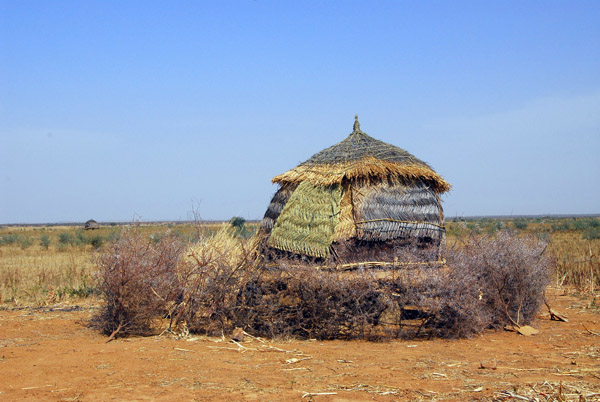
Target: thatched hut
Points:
x,y
358,202
91,225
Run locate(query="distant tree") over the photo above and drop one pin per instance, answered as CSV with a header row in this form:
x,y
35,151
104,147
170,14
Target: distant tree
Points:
x,y
520,224
45,241
238,222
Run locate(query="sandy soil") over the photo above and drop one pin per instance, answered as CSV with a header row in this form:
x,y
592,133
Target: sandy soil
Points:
x,y
51,354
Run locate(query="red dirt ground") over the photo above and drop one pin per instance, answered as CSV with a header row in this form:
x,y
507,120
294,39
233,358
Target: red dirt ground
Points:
x,y
53,355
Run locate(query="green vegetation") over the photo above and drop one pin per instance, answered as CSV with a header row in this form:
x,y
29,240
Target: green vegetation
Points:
x,y
520,224
239,225
45,241
592,233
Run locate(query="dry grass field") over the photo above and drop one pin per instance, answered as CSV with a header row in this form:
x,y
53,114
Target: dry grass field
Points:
x,y
49,352
573,243
49,264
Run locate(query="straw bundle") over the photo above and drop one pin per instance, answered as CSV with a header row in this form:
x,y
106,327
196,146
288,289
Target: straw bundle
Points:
x,y
223,248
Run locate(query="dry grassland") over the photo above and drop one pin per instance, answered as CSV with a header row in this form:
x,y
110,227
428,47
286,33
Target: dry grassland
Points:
x,y
48,353
577,261
45,265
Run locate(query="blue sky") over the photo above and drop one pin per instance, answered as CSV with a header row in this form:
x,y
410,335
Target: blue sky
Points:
x,y
113,110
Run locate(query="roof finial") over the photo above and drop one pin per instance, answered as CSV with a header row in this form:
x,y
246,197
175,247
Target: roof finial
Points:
x,y
356,124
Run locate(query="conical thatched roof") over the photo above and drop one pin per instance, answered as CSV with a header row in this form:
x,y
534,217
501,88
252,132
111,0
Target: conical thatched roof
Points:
x,y
360,155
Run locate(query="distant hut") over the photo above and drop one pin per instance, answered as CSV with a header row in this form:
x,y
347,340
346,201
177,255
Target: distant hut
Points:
x,y
91,225
358,202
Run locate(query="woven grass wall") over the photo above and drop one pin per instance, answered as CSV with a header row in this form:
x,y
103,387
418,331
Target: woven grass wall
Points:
x,y
307,223
278,201
391,210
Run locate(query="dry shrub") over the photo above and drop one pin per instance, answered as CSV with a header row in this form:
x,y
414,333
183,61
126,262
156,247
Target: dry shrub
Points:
x,y
434,301
309,303
137,277
214,286
210,277
421,301
488,282
509,271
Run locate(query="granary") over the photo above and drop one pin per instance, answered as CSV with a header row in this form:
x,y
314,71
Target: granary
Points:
x,y
359,202
91,225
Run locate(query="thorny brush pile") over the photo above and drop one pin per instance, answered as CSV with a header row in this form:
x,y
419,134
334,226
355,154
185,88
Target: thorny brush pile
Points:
x,y
215,285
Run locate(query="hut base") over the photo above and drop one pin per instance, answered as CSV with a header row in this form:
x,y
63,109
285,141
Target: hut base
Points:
x,y
396,250
354,253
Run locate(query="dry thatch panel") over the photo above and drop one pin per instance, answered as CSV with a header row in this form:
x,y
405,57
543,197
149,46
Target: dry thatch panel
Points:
x,y
360,201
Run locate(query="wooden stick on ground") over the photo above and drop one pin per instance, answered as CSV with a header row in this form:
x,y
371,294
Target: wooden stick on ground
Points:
x,y
311,394
553,314
253,337
114,333
590,331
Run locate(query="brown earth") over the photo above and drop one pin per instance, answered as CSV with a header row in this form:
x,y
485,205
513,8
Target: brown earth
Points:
x,y
51,354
